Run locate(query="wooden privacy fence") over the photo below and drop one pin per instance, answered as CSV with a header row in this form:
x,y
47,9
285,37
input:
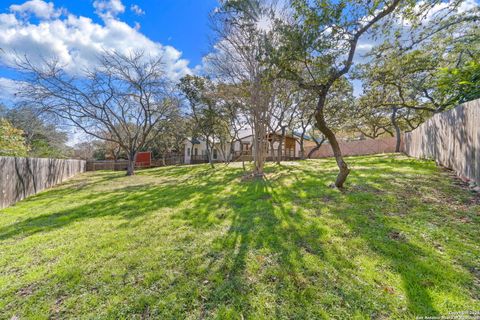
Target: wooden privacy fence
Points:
x,y
120,165
22,177
452,139
357,147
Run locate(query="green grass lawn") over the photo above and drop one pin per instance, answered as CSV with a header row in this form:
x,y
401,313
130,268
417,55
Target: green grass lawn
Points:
x,y
192,242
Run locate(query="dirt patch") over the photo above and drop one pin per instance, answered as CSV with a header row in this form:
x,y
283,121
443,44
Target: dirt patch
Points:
x,y
397,236
26,291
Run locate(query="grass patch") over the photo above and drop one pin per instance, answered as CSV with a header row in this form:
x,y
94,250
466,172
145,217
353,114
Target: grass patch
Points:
x,y
192,242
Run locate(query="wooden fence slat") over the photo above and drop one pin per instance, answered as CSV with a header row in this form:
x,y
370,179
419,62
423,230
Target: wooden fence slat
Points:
x,y
452,139
22,177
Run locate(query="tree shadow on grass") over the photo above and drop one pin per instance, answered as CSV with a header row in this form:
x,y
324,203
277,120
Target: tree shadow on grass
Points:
x,y
265,231
363,209
262,251
264,245
129,202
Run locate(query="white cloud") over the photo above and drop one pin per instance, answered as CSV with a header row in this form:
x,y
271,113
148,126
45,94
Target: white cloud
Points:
x,y
108,9
137,10
77,41
8,89
439,10
39,8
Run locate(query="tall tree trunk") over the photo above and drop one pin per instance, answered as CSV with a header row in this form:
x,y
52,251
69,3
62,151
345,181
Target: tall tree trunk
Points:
x,y
323,127
280,146
398,133
209,154
259,151
302,148
131,163
272,149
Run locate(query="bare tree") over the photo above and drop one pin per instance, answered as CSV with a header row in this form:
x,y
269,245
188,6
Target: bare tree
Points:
x,y
123,100
237,60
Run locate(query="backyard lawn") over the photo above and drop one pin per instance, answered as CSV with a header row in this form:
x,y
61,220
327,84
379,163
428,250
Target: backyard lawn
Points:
x,y
191,242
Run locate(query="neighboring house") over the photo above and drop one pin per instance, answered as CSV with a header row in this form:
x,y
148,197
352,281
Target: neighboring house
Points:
x,y
196,149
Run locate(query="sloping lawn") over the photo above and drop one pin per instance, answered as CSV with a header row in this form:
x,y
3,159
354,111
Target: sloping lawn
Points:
x,y
192,242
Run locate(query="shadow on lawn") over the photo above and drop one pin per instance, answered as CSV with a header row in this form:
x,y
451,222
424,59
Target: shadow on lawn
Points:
x,y
129,202
363,210
266,232
264,223
267,227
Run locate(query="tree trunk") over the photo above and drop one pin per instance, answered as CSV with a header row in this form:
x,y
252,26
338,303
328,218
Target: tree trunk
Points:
x,y
209,154
279,152
272,149
259,151
131,163
302,148
323,127
397,129
280,146
163,160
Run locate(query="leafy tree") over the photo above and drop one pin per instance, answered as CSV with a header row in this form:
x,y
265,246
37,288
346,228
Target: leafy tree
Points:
x,y
42,138
12,142
206,110
233,114
404,84
319,40
317,47
397,93
170,141
461,83
285,105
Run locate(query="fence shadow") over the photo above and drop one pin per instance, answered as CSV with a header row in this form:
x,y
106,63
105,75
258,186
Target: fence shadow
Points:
x,y
452,139
22,177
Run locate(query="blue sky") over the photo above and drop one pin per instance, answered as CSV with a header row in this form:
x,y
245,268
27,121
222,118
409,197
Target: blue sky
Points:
x,y
75,31
182,24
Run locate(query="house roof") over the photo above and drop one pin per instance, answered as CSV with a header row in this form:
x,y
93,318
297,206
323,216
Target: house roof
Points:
x,y
306,137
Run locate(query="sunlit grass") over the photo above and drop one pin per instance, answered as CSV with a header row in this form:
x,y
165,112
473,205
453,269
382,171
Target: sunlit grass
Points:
x,y
193,242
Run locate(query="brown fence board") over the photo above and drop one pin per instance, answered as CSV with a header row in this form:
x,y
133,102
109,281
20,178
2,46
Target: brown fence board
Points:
x,y
452,139
119,165
22,177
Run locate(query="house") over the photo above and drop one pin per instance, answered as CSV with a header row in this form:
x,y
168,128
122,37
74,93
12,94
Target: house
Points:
x,y
196,149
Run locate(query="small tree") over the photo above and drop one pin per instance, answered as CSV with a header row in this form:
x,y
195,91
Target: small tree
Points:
x,y
206,110
12,142
123,100
239,60
42,138
171,140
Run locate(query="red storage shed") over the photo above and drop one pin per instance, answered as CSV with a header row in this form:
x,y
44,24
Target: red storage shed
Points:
x,y
144,159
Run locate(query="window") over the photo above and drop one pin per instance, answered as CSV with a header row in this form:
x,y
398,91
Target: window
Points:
x,y
195,151
215,154
188,152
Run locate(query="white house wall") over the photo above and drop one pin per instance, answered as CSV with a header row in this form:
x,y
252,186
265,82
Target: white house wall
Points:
x,y
202,148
